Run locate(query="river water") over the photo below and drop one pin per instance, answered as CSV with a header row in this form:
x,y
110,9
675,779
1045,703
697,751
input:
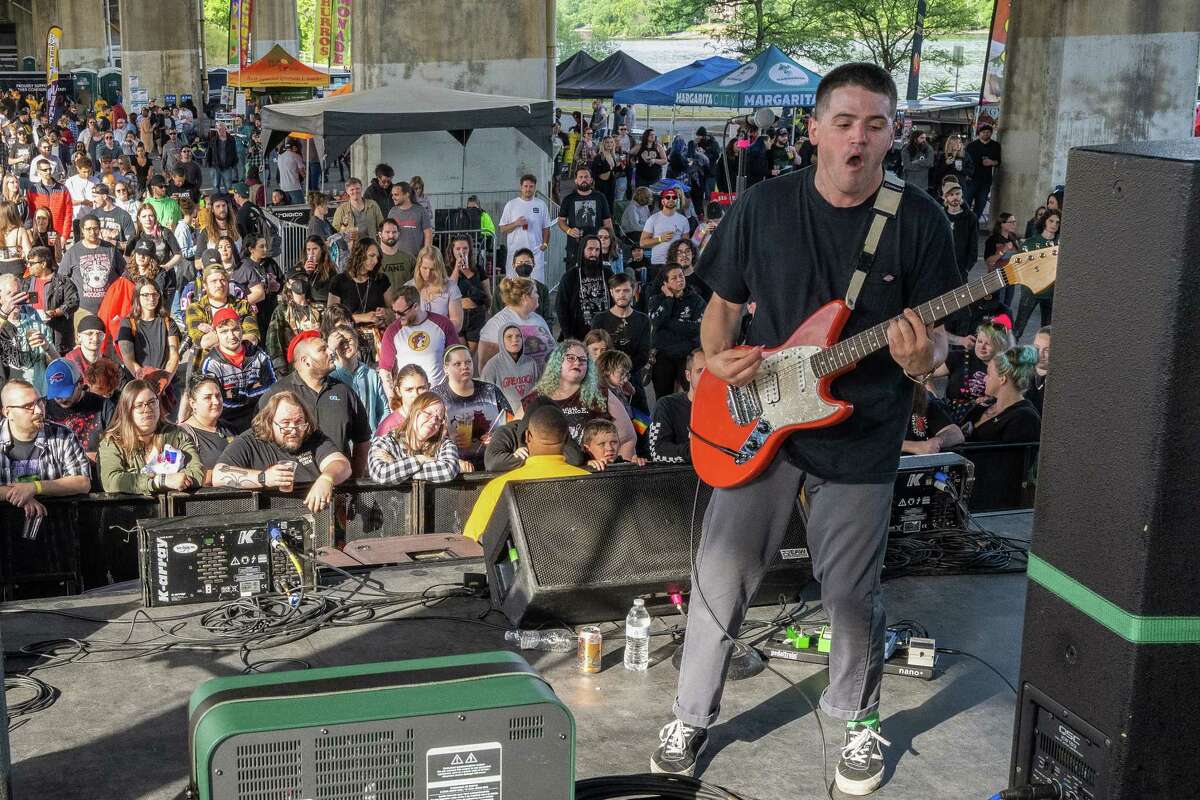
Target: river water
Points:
x,y
676,51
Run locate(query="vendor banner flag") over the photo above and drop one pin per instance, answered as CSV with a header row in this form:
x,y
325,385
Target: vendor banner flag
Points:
x,y
341,32
241,15
53,68
992,90
323,33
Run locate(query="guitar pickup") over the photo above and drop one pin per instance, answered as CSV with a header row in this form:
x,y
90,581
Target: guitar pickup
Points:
x,y
744,404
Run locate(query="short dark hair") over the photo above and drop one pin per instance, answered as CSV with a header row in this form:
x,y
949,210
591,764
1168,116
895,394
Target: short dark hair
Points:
x,y
384,171
982,128
528,176
403,186
389,221
524,251
871,77
583,168
549,422
88,218
620,279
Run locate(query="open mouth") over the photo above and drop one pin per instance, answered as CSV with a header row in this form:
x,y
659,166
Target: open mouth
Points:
x,y
854,161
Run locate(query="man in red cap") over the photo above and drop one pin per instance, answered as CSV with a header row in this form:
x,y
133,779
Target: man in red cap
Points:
x,y
243,369
664,227
339,413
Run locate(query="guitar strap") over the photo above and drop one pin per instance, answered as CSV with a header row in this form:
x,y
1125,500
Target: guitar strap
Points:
x,y
887,206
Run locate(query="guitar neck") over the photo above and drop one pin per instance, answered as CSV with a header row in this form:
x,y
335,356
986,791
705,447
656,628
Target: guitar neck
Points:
x,y
849,351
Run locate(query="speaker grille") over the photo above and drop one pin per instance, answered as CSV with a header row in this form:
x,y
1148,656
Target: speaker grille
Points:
x,y
269,770
371,764
610,536
521,728
374,513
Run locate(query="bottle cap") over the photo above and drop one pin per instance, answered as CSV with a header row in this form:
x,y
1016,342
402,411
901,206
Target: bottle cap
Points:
x,y
639,602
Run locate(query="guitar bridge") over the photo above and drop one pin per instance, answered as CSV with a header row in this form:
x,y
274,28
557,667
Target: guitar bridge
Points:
x,y
744,403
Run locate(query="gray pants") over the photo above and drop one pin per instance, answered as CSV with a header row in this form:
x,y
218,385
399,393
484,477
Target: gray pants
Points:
x,y
743,529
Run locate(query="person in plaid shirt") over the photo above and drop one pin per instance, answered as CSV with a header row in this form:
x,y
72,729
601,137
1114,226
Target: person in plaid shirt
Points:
x,y
38,458
420,448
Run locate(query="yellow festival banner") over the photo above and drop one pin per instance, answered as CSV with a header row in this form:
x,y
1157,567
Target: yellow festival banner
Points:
x,y
323,33
341,32
53,42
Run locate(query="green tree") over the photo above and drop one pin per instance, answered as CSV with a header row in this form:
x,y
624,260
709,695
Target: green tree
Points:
x,y
885,28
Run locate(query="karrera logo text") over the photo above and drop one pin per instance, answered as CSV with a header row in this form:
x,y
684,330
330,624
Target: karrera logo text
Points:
x,y
162,553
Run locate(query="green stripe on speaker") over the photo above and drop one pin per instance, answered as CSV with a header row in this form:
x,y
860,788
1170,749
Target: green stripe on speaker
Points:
x,y
1134,628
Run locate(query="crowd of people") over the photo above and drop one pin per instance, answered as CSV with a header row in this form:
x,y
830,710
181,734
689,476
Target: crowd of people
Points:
x,y
151,341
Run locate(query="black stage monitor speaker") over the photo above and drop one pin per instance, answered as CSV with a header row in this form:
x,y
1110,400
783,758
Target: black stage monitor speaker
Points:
x,y
581,549
1111,654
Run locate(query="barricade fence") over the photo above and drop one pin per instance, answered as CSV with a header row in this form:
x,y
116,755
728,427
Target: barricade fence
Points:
x,y
89,541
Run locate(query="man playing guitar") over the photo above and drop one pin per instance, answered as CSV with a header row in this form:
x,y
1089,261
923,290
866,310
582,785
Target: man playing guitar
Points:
x,y
791,244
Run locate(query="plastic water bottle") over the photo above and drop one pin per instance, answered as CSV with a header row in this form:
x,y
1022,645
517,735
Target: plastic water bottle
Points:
x,y
637,637
556,640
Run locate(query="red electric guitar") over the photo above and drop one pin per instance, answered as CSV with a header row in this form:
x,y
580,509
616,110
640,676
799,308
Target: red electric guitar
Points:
x,y
736,431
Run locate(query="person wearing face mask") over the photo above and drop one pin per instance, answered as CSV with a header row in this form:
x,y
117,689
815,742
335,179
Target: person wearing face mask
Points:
x,y
582,212
583,292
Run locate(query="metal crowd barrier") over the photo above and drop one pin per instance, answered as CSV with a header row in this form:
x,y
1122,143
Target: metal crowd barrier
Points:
x,y
89,541
291,241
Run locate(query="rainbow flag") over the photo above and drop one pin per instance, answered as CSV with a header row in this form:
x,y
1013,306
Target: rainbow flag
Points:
x,y
641,421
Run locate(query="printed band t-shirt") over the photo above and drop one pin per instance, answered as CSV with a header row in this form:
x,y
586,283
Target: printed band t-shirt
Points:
x,y
92,270
421,344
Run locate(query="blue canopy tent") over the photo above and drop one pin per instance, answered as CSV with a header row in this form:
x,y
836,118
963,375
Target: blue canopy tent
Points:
x,y
769,79
660,91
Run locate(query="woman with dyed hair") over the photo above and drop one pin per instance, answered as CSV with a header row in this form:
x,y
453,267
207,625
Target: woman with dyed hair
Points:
x,y
571,381
967,368
1009,417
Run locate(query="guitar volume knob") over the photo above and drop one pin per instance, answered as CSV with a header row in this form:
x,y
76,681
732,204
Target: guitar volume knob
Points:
x,y
763,426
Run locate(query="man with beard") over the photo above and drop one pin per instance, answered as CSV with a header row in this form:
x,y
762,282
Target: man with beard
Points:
x,y
284,447
116,226
525,222
394,262
630,331
92,264
339,413
410,219
664,227
582,293
70,404
37,457
582,213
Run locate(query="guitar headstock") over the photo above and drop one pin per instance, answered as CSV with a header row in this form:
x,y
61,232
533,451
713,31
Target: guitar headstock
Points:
x,y
1034,270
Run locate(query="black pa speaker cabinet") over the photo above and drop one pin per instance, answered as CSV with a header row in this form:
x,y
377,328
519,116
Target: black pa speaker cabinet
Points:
x,y
581,549
1111,652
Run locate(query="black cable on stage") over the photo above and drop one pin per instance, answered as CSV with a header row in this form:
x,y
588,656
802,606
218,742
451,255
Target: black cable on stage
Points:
x,y
649,787
952,652
44,696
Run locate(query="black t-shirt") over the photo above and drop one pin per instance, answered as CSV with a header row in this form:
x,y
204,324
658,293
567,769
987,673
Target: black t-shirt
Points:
x,y
247,275
359,298
150,341
586,213
967,375
922,426
783,246
24,463
210,445
87,419
339,412
630,335
249,452
189,190
979,150
1018,423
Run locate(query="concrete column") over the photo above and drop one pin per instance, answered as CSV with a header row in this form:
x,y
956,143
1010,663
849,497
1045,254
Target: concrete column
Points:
x,y
491,48
26,38
274,23
162,49
82,21
1091,72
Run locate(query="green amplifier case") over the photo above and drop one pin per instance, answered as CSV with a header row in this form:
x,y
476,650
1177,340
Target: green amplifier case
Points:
x,y
482,726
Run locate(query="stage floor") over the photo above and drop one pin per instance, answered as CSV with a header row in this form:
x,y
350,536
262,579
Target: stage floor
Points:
x,y
119,729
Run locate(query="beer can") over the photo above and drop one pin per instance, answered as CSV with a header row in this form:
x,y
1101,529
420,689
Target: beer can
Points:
x,y
591,648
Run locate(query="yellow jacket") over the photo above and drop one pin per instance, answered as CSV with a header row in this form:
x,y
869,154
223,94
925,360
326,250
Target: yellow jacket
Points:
x,y
534,467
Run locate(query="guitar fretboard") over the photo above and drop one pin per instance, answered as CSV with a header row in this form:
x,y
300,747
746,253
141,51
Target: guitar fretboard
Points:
x,y
861,345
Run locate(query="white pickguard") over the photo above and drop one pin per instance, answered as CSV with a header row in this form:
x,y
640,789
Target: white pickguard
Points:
x,y
783,393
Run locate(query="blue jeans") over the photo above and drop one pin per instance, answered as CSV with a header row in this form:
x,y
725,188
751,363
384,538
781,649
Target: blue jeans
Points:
x,y
295,198
976,194
225,177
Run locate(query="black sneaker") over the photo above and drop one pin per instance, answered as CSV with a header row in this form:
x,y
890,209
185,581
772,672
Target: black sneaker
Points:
x,y
680,746
860,769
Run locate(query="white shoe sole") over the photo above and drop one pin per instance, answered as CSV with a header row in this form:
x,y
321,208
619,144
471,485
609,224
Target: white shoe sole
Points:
x,y
858,788
687,773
